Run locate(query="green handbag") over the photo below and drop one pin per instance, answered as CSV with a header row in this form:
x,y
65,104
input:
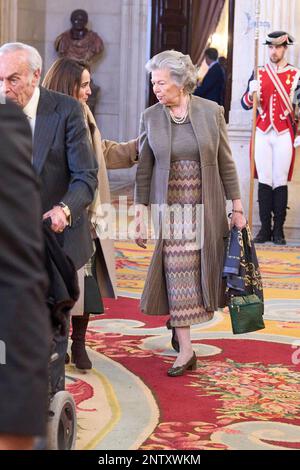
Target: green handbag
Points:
x,y
246,313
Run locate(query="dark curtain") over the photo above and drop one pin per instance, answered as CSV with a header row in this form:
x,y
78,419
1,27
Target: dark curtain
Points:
x,y
205,18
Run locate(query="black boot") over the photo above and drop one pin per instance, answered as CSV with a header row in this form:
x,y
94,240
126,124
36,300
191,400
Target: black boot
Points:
x,y
79,354
265,213
280,200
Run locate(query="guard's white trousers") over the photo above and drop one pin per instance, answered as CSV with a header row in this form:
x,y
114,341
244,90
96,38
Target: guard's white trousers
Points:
x,y
273,156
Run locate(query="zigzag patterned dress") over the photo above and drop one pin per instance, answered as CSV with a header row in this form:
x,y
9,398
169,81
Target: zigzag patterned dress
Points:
x,y
181,253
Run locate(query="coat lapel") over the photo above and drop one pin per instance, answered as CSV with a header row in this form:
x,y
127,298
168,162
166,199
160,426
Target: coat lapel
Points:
x,y
205,129
45,129
162,146
198,122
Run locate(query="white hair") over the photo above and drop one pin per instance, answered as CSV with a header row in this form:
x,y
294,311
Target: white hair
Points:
x,y
181,68
34,59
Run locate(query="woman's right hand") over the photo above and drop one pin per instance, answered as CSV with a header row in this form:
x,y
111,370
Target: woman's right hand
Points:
x,y
140,226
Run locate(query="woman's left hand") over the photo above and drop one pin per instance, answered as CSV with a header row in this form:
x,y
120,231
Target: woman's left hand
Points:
x,y
238,220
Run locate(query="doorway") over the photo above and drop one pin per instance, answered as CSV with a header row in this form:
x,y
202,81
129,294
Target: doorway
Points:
x,y
178,24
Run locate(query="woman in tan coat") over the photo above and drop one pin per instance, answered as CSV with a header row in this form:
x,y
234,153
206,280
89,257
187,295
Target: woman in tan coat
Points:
x,y
99,278
184,162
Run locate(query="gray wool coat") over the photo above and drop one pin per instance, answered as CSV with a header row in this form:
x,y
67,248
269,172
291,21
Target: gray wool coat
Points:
x,y
219,182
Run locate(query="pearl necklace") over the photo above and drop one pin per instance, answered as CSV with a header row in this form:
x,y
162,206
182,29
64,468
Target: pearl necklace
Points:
x,y
179,120
182,119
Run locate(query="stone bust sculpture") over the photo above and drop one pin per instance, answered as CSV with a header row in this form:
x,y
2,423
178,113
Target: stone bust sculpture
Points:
x,y
79,43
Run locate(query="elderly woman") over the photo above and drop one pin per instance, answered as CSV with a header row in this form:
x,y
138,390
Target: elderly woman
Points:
x,y
185,160
72,78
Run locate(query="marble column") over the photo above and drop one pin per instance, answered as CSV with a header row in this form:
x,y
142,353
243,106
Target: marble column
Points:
x,y
133,79
31,23
282,16
8,20
134,18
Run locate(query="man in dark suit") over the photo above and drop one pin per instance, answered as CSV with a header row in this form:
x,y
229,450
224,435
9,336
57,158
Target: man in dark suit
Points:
x,y
213,85
62,155
24,318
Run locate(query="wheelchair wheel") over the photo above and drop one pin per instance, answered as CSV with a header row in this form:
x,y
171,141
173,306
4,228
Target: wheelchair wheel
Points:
x,y
62,422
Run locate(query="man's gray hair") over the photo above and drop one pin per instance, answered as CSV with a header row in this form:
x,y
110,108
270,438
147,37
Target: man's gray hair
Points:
x,y
35,61
181,68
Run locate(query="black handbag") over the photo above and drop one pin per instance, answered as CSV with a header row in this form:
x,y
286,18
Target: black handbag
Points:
x,y
246,313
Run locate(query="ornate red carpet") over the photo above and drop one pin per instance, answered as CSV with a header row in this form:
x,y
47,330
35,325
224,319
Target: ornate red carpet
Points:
x,y
245,393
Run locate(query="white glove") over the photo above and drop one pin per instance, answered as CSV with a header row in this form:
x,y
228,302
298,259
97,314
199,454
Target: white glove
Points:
x,y
297,142
253,86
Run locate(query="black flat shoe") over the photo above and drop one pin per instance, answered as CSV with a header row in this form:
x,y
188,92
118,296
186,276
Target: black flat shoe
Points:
x,y
191,364
174,340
